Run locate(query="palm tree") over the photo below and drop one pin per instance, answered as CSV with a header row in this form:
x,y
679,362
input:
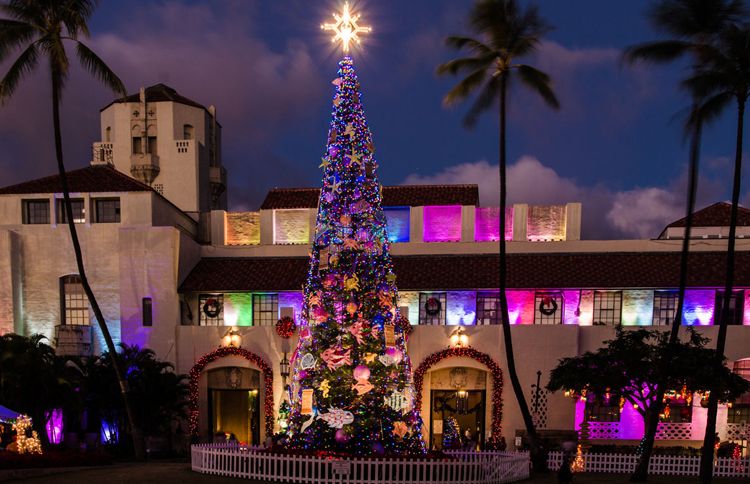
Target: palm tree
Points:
x,y
723,79
694,25
42,28
505,32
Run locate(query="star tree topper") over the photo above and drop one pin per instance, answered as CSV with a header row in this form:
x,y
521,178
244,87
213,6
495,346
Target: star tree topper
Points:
x,y
346,29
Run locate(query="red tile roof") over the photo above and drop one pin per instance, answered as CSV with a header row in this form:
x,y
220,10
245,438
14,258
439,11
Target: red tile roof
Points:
x,y
157,93
454,272
716,215
395,196
95,178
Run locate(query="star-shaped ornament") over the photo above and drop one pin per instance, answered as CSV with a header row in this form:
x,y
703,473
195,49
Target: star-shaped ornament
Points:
x,y
325,163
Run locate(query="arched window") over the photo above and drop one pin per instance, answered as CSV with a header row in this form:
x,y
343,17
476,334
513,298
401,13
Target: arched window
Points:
x,y
74,305
187,131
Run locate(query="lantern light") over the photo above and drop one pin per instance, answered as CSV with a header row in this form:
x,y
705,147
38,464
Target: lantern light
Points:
x,y
232,338
459,339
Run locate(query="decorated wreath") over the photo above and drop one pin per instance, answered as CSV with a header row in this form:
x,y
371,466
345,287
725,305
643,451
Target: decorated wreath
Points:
x,y
212,307
433,306
548,306
285,327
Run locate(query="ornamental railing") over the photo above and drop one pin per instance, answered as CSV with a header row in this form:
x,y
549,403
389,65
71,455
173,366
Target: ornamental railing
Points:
x,y
738,431
659,465
256,463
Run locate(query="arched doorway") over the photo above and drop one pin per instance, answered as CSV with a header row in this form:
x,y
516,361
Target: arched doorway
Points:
x,y
223,379
486,361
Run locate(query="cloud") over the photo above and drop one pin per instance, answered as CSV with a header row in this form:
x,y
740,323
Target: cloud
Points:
x,y
640,212
213,54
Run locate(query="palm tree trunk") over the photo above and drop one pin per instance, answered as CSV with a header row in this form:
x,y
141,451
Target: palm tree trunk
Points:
x,y
707,455
134,430
652,423
539,460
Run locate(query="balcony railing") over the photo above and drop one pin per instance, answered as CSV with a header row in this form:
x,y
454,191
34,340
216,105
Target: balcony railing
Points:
x,y
102,154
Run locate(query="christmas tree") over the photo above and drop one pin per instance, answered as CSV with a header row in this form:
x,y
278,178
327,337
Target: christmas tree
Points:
x,y
351,386
451,434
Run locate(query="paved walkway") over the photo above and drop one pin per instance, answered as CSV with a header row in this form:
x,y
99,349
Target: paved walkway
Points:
x,y
166,473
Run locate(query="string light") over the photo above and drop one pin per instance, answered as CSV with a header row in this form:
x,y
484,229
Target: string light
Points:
x,y
483,358
197,370
24,443
351,370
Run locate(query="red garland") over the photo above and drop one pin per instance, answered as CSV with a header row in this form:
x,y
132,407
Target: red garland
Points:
x,y
483,358
285,327
195,375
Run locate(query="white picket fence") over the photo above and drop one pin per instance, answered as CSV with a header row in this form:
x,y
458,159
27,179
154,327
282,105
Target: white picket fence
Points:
x,y
663,465
255,463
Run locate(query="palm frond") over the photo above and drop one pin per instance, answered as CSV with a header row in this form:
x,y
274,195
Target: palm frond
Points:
x,y
25,11
74,14
24,64
710,109
13,33
657,52
538,82
476,46
97,68
466,64
463,89
484,102
691,19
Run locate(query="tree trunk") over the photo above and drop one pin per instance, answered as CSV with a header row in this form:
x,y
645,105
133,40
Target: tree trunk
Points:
x,y
538,457
707,455
652,423
139,449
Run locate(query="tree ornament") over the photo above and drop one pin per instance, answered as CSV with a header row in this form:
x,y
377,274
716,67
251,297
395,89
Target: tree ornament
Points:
x,y
370,357
397,401
325,387
394,354
337,418
351,283
400,429
336,357
362,386
320,314
307,362
342,437
356,330
361,372
351,308
351,244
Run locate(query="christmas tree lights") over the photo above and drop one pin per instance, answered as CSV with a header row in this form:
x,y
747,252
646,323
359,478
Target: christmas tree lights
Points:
x,y
351,389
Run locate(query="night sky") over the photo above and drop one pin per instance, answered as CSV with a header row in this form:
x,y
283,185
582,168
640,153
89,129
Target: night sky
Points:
x,y
616,144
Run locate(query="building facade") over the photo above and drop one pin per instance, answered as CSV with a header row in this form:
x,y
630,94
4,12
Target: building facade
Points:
x,y
175,272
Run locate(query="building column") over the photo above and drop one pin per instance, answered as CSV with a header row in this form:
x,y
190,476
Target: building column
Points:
x,y
468,221
416,224
520,222
266,227
573,221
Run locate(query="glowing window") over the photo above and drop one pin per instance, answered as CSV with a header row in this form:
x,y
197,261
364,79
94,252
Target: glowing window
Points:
x,y
605,408
211,309
432,307
607,308
735,307
75,304
442,223
488,308
548,308
665,306
265,309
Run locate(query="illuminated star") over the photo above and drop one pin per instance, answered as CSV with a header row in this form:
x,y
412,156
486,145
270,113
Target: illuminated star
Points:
x,y
346,28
